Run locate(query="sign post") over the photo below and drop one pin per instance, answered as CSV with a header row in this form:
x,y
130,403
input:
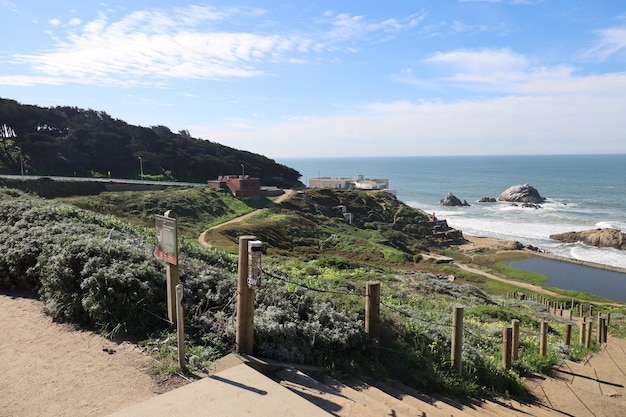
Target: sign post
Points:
x,y
167,249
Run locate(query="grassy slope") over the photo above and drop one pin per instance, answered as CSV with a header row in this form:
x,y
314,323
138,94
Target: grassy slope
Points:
x,y
197,208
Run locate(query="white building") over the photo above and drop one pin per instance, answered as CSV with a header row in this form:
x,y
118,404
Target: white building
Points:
x,y
342,183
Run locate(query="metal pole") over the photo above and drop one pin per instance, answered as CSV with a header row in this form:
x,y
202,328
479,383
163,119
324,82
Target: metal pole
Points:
x,y
180,325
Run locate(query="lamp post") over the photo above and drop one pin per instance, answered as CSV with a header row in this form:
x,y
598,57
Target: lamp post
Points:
x,y
141,167
21,162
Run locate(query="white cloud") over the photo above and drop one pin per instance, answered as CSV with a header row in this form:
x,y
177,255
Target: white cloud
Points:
x,y
611,41
495,71
480,61
9,5
152,46
559,113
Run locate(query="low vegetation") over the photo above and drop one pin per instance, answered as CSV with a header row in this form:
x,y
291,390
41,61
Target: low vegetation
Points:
x,y
95,266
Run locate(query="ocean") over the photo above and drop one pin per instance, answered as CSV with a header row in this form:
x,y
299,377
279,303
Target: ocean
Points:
x,y
582,191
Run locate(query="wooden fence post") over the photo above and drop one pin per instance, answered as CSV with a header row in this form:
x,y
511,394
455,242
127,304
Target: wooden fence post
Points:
x,y
543,339
600,330
457,339
372,309
568,334
588,335
507,336
583,331
515,340
604,330
244,337
372,313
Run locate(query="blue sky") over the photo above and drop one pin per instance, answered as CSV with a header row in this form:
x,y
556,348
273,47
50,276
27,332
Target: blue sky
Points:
x,y
334,78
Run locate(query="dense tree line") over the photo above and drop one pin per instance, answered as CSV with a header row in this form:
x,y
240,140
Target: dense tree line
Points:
x,y
69,141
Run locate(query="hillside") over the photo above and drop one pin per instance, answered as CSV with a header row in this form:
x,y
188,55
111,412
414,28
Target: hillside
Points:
x,y
68,141
100,272
354,225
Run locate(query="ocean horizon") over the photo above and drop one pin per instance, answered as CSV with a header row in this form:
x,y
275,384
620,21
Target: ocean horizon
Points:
x,y
582,192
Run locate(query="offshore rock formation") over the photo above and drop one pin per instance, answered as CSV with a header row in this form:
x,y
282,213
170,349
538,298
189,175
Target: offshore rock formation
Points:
x,y
452,200
603,238
522,194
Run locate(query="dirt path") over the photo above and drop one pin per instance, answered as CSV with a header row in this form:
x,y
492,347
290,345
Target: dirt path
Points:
x,y
278,200
530,287
50,369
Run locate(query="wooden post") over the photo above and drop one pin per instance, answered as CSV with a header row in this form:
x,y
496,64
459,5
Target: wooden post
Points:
x,y
180,325
244,337
515,340
591,310
372,309
507,336
568,334
588,335
599,330
608,319
372,313
543,339
605,330
583,331
570,314
457,339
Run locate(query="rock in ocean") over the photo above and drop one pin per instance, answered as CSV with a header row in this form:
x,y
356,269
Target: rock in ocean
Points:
x,y
452,200
602,238
522,194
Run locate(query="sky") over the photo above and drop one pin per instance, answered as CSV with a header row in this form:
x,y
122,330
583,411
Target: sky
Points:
x,y
290,79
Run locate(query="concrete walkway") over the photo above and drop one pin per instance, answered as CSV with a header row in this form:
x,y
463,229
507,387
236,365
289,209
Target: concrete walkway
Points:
x,y
236,391
593,388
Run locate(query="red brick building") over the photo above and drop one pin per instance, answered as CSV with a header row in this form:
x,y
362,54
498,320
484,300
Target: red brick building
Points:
x,y
240,186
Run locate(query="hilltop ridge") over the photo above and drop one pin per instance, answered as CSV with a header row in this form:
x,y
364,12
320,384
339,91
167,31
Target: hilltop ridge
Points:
x,y
68,141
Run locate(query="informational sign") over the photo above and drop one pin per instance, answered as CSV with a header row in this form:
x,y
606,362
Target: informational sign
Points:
x,y
167,239
254,263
